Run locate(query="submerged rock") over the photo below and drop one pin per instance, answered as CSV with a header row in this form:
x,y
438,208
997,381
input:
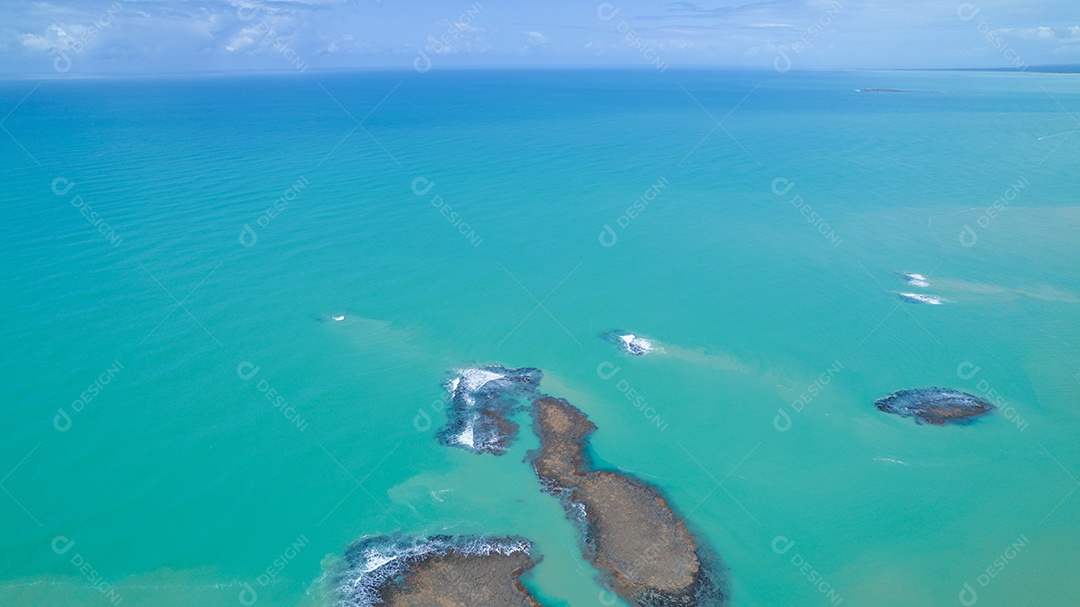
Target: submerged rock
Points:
x,y
400,571
633,344
643,550
482,400
934,405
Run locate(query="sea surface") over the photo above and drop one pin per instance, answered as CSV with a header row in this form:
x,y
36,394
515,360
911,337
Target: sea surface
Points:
x,y
185,423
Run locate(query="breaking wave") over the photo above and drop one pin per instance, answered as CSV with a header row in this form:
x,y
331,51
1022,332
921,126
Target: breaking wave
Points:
x,y
915,280
919,298
373,563
482,399
629,342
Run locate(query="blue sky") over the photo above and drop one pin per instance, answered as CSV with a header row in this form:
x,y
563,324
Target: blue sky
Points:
x,y
163,36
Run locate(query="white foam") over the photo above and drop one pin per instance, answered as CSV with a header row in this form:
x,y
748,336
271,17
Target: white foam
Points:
x,y
916,280
466,438
383,564
373,560
471,380
339,317
920,298
477,378
636,344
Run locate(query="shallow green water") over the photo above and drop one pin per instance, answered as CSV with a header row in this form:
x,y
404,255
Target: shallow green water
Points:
x,y
179,481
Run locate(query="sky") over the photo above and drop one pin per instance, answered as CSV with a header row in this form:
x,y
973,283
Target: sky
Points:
x,y
90,37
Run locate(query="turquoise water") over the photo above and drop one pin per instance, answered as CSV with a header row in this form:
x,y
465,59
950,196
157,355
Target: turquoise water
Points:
x,y
179,481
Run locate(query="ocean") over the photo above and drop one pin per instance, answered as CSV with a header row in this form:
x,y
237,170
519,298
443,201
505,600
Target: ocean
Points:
x,y
189,424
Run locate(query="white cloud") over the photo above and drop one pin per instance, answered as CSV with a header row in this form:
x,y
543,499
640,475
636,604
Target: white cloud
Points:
x,y
193,35
1060,34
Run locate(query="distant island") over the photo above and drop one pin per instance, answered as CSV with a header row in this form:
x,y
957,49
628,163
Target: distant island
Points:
x,y
1042,69
884,91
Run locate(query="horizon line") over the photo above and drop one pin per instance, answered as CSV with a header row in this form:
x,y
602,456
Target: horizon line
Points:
x,y
1065,69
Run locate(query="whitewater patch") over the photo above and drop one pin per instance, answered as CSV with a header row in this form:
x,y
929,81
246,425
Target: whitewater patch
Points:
x,y
482,400
918,298
467,438
914,279
970,289
470,381
349,317
636,345
630,343
372,563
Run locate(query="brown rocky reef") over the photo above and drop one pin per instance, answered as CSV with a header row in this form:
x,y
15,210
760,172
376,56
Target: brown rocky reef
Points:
x,y
469,571
937,406
460,580
643,550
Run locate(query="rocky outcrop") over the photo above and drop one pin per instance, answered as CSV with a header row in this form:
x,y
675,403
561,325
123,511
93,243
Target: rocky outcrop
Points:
x,y
474,571
482,401
643,550
936,406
